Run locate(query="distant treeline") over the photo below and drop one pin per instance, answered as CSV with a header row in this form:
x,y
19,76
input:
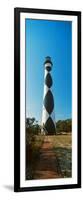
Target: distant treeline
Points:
x,y
64,125
33,128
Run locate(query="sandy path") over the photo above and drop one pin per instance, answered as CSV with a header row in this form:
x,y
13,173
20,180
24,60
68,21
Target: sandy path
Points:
x,y
47,165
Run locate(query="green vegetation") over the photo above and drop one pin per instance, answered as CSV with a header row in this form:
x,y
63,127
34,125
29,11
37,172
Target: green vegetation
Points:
x,y
62,145
64,126
32,126
33,144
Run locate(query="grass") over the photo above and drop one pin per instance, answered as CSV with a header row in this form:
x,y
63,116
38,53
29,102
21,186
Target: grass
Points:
x,y
62,146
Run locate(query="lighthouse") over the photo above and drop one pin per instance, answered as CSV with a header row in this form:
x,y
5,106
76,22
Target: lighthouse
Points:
x,y
48,114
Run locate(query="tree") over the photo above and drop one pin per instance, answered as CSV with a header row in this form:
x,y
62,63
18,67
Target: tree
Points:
x,y
29,122
64,125
32,126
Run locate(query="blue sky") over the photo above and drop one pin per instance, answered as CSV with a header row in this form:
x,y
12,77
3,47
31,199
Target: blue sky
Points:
x,y
48,38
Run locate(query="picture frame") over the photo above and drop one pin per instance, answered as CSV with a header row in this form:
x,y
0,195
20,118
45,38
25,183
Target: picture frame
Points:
x,y
20,15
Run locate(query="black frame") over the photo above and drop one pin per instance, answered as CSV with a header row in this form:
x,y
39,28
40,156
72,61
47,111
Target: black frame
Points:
x,y
17,12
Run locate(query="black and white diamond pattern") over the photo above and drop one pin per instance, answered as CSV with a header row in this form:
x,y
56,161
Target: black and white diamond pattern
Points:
x,y
48,80
48,118
49,102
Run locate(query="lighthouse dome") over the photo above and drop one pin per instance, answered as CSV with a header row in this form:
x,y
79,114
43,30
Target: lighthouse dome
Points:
x,y
48,63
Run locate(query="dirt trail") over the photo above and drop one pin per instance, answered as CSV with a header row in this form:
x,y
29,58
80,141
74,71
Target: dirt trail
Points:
x,y
47,165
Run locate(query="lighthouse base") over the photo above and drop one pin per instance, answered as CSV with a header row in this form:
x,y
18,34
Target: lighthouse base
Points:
x,y
49,127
